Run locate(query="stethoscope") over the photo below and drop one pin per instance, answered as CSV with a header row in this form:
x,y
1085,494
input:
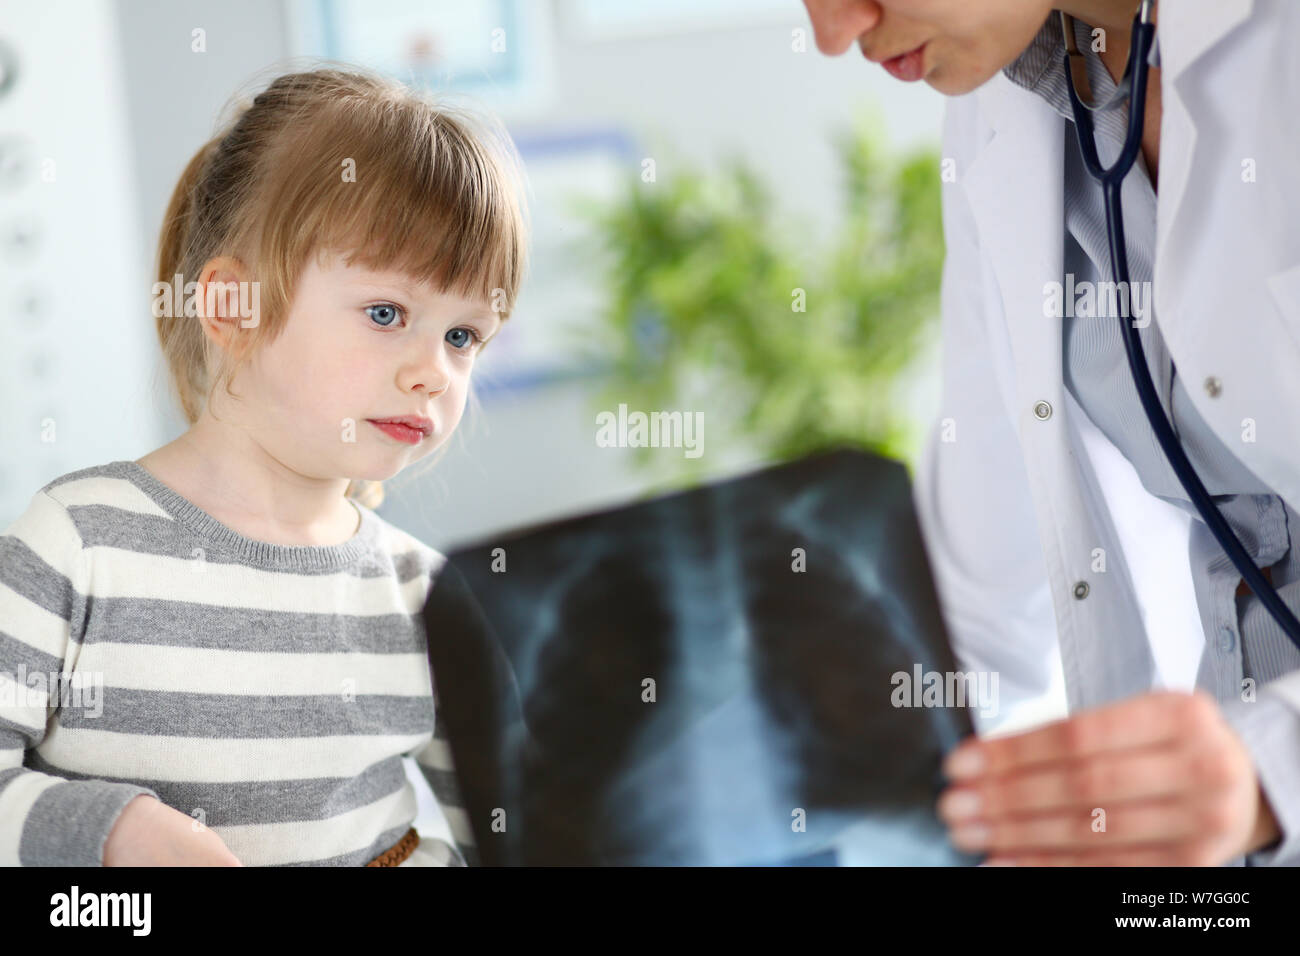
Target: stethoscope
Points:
x,y
1135,79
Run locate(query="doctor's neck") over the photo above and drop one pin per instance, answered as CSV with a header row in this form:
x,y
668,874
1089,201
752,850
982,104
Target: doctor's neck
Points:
x,y
1116,18
1113,16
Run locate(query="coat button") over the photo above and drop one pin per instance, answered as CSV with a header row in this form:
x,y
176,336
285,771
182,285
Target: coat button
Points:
x,y
1042,411
1081,590
1213,386
1226,640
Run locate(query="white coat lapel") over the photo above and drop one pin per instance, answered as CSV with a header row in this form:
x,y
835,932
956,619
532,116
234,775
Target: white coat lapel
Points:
x,y
1184,33
1016,189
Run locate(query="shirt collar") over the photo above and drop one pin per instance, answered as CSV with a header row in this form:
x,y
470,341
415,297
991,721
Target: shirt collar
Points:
x,y
1038,69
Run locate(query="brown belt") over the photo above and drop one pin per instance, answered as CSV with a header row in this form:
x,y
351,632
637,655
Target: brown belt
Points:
x,y
399,851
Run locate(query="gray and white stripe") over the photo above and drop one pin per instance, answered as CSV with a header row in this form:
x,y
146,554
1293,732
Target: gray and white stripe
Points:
x,y
275,688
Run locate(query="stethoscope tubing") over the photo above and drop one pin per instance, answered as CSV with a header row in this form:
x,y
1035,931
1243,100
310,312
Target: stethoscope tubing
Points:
x,y
1111,180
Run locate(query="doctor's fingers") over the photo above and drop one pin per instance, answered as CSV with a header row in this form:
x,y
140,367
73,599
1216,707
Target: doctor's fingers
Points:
x,y
837,24
1144,721
1131,775
1194,833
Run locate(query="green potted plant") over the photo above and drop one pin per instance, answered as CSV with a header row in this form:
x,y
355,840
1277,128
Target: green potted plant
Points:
x,y
791,348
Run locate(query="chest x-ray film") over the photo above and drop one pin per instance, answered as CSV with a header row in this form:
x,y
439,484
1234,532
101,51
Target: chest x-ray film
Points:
x,y
723,676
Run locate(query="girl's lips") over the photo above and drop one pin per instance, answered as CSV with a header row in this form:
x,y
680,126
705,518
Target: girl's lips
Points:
x,y
404,433
909,67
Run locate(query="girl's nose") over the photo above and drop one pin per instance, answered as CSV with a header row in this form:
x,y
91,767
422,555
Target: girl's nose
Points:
x,y
428,374
838,23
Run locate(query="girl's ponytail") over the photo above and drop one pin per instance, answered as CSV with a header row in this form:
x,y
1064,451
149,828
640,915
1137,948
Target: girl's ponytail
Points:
x,y
174,238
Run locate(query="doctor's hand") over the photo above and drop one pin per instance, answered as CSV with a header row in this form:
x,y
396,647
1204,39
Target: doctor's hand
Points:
x,y
1156,780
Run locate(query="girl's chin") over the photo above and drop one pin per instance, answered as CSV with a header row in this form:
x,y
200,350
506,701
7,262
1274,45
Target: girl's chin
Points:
x,y
383,466
387,461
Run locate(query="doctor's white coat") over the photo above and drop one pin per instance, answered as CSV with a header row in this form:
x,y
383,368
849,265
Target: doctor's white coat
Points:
x,y
1014,496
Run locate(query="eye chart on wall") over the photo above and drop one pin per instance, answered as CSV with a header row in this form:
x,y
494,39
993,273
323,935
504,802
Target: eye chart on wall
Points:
x,y
76,334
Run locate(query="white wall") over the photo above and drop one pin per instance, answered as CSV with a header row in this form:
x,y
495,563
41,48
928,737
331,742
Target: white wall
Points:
x,y
74,304
525,455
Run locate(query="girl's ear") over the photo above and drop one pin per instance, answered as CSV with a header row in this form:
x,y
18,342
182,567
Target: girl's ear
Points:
x,y
226,300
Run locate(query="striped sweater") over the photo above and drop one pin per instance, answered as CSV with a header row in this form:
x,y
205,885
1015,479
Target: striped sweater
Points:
x,y
269,691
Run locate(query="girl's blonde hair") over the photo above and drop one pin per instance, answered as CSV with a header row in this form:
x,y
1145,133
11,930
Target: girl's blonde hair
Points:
x,y
340,158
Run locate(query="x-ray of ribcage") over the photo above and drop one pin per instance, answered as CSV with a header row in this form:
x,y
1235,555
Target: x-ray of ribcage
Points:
x,y
703,678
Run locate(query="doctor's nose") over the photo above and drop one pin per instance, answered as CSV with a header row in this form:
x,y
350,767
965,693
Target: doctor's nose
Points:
x,y
837,24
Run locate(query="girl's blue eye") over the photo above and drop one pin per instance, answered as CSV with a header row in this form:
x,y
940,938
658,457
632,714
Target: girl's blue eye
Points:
x,y
390,310
385,314
462,337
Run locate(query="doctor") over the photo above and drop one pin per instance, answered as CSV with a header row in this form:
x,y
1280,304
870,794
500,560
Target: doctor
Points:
x,y
1064,546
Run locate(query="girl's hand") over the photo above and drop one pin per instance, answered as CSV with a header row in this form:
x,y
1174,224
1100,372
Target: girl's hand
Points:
x,y
150,833
1156,780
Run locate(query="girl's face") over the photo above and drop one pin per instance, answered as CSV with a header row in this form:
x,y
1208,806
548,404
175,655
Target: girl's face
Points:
x,y
362,345
966,42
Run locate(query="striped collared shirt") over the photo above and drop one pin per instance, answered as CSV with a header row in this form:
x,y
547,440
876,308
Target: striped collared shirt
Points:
x,y
1241,639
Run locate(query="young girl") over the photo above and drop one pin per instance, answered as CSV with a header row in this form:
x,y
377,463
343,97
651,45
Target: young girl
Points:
x,y
214,655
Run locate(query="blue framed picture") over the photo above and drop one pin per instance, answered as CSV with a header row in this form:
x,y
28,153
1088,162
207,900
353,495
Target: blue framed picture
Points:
x,y
498,52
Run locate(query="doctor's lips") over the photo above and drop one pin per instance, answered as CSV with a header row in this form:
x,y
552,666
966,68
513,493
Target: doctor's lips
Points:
x,y
411,429
908,67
